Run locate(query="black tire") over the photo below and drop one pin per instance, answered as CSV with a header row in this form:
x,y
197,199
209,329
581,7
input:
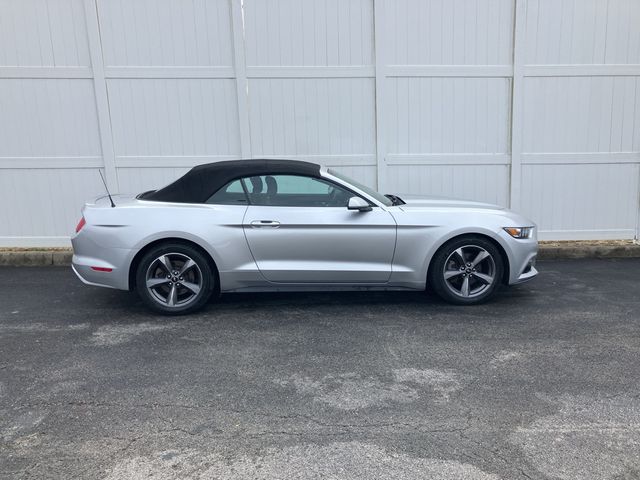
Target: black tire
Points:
x,y
173,293
478,287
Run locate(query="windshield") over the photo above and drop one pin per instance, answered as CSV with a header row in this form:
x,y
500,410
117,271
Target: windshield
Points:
x,y
369,191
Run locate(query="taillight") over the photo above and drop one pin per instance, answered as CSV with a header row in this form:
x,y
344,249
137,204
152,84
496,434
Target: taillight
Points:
x,y
81,224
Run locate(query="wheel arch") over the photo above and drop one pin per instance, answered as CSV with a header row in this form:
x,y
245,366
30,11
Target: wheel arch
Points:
x,y
503,253
133,266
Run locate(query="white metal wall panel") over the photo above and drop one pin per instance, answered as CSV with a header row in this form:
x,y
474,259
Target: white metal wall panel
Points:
x,y
309,32
170,81
449,32
529,103
41,206
49,137
575,200
136,179
173,118
582,114
39,33
565,32
429,115
311,87
580,118
447,97
313,116
165,32
49,118
365,174
486,183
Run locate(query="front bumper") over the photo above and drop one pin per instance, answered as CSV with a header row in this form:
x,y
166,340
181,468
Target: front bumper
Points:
x,y
522,258
526,276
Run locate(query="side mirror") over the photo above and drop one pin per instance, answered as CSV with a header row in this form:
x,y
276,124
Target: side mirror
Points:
x,y
357,203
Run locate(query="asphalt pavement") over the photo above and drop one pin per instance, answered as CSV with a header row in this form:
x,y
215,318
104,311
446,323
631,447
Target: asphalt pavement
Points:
x,y
541,383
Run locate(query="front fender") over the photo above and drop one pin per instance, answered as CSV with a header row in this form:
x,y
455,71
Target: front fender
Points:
x,y
450,235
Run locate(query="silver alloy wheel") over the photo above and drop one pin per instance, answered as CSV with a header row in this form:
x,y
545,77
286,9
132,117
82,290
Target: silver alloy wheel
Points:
x,y
469,271
174,280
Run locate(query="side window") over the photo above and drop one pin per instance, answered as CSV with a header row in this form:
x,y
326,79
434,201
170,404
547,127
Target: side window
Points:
x,y
295,191
231,194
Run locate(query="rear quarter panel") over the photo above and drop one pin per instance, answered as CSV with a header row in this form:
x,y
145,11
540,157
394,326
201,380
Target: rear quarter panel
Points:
x,y
215,228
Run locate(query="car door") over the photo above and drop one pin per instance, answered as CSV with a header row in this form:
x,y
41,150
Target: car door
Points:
x,y
299,230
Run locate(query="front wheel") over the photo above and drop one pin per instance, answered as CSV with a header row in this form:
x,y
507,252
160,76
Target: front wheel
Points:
x,y
466,270
174,279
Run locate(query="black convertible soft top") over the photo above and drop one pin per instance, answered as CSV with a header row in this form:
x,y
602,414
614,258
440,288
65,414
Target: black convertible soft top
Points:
x,y
199,183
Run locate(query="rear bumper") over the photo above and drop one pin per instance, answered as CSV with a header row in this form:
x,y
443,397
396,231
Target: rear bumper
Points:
x,y
98,278
100,266
87,276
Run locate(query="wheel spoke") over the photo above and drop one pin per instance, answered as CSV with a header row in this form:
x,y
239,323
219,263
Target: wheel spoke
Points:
x,y
452,273
154,282
193,287
480,257
464,291
483,277
173,296
187,265
460,254
165,261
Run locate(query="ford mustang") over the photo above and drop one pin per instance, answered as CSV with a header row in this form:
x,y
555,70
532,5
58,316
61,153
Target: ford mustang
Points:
x,y
285,225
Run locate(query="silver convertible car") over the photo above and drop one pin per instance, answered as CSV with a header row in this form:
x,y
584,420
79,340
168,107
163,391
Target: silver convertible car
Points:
x,y
284,225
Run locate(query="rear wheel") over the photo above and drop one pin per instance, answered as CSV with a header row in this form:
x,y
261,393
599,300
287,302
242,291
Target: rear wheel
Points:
x,y
174,279
466,270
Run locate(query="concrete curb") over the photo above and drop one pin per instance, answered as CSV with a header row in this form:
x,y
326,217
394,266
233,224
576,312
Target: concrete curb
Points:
x,y
553,252
35,258
570,250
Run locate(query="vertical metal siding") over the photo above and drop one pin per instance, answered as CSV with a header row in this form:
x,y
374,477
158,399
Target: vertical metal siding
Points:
x,y
37,33
165,33
311,92
171,87
175,117
580,118
449,32
309,32
416,96
448,96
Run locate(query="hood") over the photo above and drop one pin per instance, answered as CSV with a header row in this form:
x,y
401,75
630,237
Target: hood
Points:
x,y
418,202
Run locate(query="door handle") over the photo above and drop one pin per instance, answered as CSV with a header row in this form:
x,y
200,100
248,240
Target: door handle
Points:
x,y
265,223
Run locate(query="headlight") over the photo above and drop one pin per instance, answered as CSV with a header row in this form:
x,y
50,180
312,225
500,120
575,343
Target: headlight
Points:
x,y
519,232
